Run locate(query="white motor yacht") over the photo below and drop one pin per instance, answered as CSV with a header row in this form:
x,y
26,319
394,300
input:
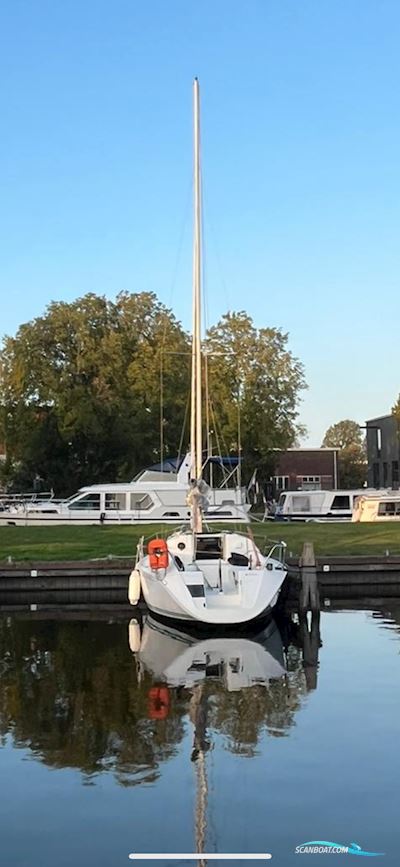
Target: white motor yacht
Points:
x,y
155,496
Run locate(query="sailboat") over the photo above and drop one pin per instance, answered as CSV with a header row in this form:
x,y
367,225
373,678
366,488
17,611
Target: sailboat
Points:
x,y
215,578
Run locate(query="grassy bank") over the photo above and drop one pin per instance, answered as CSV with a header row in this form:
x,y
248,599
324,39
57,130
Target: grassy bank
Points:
x,y
81,543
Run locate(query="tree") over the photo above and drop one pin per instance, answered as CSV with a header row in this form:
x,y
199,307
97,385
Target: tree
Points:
x,y
80,390
396,410
255,384
347,437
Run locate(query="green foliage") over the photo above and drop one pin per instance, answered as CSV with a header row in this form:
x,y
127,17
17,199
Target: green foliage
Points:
x,y
253,374
396,410
346,436
80,391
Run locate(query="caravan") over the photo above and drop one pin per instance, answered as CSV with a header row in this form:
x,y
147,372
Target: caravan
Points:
x,y
317,505
377,506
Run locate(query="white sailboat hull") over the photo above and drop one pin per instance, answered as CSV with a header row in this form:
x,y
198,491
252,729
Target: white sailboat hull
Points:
x,y
213,591
177,603
178,606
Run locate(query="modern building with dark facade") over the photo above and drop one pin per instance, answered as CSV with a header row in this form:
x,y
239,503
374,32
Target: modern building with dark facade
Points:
x,y
383,449
306,469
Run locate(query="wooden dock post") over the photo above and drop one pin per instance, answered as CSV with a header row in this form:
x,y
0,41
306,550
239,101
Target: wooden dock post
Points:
x,y
309,594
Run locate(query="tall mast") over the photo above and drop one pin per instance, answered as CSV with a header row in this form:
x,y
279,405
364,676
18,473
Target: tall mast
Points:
x,y
196,396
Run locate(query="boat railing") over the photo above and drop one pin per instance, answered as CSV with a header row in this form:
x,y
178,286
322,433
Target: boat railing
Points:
x,y
13,499
276,550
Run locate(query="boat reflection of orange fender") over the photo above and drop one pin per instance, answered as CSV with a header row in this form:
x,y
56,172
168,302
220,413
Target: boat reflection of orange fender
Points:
x,y
157,550
159,701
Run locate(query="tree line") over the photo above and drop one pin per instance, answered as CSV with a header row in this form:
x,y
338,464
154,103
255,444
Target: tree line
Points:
x,y
89,390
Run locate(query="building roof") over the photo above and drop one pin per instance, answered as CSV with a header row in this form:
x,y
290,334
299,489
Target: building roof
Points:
x,y
310,449
380,418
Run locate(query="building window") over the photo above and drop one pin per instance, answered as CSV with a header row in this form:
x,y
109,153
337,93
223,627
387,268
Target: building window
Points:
x,y
395,473
310,483
385,474
281,483
376,475
378,441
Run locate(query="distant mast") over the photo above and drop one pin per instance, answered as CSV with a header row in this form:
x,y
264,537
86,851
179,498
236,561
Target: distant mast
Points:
x,y
196,395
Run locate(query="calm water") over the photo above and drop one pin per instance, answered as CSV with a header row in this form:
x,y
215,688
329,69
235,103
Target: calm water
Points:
x,y
230,745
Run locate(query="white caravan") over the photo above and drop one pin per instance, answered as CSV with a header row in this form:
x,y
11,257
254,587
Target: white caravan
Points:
x,y
317,505
153,497
377,507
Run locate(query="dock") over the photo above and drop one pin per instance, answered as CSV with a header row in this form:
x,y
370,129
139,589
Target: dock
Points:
x,y
34,584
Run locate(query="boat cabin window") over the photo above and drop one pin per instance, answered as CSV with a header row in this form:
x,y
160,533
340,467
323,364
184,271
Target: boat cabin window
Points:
x,y
301,504
340,502
140,502
209,548
281,501
115,502
389,508
90,502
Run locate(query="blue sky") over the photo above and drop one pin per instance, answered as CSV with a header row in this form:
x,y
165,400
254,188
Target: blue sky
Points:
x,y
301,144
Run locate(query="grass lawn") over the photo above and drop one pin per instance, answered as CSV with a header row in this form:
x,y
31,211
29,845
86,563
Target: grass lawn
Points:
x,y
81,543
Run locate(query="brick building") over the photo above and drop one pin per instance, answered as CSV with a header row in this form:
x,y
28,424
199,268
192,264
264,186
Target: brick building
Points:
x,y
306,469
383,450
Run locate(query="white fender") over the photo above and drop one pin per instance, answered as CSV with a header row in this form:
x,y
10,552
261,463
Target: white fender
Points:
x,y
134,636
134,587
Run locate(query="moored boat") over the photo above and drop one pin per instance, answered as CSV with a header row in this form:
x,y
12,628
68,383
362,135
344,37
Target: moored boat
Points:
x,y
220,579
155,496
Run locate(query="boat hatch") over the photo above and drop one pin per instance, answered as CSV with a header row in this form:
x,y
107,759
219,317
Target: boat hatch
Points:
x,y
208,548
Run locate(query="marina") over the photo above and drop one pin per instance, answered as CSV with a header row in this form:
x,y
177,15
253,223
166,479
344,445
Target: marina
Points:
x,y
199,465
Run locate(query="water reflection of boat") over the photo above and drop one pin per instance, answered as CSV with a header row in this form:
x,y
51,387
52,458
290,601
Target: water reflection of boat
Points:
x,y
184,659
